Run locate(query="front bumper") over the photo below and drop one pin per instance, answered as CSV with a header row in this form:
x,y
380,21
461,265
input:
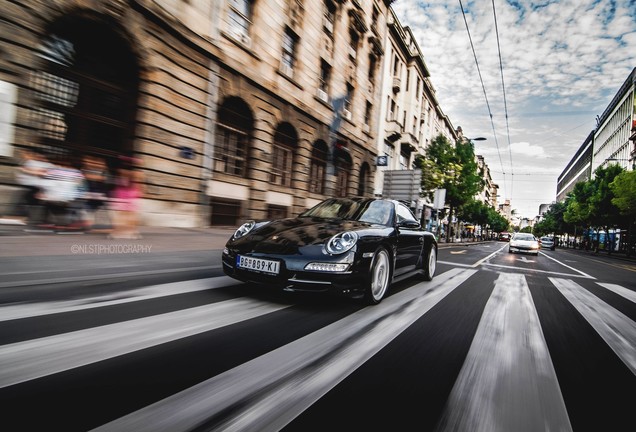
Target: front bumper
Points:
x,y
292,277
523,249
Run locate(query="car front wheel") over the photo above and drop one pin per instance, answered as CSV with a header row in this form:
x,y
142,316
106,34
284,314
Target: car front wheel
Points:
x,y
430,264
379,277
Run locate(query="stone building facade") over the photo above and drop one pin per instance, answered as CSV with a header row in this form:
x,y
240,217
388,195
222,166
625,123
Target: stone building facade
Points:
x,y
237,109
410,115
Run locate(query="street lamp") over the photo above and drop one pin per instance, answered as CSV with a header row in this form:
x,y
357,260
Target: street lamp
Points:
x,y
477,139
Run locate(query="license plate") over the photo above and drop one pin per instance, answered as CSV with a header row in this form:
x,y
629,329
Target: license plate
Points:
x,y
258,264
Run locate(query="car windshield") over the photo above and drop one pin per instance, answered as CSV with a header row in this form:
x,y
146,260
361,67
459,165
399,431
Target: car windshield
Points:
x,y
371,211
524,237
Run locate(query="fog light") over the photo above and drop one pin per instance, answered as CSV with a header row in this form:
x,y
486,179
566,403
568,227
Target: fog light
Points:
x,y
326,267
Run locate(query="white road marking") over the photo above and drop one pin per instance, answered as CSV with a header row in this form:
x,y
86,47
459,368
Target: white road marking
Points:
x,y
525,260
621,291
507,382
478,263
531,270
616,329
28,310
460,252
567,266
23,361
268,392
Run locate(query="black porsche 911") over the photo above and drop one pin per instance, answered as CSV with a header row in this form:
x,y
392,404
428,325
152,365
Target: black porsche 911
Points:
x,y
356,246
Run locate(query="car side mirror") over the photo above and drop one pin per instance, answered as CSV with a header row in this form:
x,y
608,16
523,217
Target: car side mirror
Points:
x,y
409,224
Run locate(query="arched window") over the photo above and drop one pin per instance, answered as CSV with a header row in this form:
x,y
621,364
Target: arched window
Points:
x,y
234,129
285,142
87,88
318,167
343,164
363,181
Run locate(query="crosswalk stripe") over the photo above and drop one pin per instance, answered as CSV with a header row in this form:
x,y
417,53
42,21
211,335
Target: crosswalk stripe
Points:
x,y
621,291
507,381
23,361
616,329
268,392
29,310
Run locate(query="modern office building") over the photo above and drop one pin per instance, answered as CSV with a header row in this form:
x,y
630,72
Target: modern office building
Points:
x,y
614,128
579,169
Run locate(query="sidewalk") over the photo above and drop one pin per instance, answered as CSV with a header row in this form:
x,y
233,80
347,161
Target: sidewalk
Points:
x,y
15,242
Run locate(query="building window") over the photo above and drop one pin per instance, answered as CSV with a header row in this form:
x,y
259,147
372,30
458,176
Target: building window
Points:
x,y
348,103
329,16
285,141
367,113
391,115
281,165
239,18
363,181
343,164
318,167
232,137
373,62
374,20
353,45
224,212
404,160
325,76
276,212
342,180
289,53
85,94
230,151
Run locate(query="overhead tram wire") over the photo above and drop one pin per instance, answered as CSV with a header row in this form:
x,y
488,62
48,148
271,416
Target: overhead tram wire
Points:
x,y
503,87
483,87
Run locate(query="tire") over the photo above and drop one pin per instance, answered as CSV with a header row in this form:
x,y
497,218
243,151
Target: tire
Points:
x,y
379,277
510,251
430,265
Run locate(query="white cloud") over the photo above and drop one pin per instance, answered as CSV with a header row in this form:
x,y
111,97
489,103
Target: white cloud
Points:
x,y
564,58
527,149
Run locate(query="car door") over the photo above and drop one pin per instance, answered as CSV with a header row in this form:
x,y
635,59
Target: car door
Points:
x,y
409,240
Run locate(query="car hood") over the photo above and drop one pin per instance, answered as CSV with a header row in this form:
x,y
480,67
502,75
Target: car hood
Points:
x,y
288,236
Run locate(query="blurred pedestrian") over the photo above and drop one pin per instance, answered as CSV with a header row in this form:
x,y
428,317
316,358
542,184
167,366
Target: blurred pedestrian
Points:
x,y
125,199
62,190
97,181
30,175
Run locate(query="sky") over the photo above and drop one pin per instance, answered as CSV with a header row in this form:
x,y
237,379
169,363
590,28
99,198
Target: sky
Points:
x,y
562,62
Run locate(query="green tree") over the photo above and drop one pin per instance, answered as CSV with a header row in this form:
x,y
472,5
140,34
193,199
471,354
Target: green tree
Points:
x,y
604,212
436,164
624,189
497,222
464,181
591,203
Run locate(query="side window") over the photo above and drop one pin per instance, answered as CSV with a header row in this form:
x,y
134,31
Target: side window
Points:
x,y
404,214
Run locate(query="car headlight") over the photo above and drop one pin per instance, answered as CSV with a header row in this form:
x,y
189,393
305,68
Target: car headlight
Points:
x,y
341,243
243,229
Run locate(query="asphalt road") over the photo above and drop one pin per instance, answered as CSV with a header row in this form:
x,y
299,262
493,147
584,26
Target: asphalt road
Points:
x,y
496,341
